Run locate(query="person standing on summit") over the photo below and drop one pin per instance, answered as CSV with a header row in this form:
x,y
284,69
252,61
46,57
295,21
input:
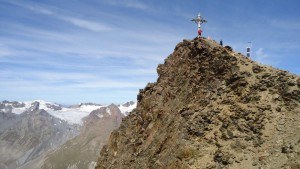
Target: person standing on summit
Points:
x,y
199,20
199,32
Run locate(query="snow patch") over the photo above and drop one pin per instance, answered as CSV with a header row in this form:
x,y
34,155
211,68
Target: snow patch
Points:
x,y
73,115
108,110
126,110
21,109
100,115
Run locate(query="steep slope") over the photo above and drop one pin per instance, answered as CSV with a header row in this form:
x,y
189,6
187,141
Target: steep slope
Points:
x,y
29,135
210,108
8,120
81,152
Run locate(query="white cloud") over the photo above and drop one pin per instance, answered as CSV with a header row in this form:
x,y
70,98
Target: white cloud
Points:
x,y
139,45
286,24
40,10
127,3
82,23
264,58
5,52
260,54
66,80
31,7
86,24
24,84
106,83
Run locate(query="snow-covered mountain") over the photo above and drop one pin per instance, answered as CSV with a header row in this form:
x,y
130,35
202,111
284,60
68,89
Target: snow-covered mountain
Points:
x,y
72,114
31,134
81,152
30,130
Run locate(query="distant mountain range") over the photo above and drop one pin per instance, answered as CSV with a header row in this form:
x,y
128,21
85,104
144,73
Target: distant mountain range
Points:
x,y
30,130
71,114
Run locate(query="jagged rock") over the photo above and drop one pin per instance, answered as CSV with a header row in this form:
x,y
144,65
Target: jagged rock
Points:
x,y
54,107
127,104
140,96
256,68
223,157
34,106
228,48
210,108
287,149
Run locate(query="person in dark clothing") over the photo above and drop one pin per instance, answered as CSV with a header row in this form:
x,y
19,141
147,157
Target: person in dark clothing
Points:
x,y
221,42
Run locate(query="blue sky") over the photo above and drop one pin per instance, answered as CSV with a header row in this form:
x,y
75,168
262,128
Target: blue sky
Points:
x,y
103,51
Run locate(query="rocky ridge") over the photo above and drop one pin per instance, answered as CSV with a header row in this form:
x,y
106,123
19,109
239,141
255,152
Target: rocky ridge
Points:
x,y
210,108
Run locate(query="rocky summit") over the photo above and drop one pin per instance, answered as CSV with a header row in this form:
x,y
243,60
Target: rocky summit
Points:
x,y
210,108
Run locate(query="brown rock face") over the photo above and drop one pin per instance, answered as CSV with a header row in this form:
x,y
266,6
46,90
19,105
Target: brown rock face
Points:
x,y
210,108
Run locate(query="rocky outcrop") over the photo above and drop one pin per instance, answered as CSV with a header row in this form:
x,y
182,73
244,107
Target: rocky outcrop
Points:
x,y
210,108
127,104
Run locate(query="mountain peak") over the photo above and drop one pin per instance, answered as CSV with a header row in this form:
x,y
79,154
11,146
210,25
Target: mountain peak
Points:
x,y
210,107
